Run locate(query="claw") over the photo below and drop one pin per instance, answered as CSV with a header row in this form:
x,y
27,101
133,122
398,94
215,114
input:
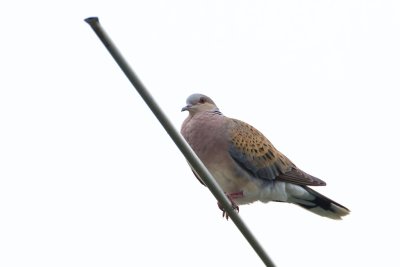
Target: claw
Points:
x,y
231,197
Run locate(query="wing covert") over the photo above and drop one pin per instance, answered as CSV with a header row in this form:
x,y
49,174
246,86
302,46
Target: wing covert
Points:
x,y
255,153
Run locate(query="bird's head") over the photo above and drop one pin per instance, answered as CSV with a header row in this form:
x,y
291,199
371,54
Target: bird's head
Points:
x,y
196,103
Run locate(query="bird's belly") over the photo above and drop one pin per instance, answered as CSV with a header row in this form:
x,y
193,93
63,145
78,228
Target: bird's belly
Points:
x,y
234,180
237,181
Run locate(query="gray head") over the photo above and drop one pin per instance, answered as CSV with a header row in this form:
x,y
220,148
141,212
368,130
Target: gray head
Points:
x,y
199,103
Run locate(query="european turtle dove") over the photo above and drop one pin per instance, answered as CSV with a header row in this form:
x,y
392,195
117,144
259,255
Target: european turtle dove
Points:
x,y
245,163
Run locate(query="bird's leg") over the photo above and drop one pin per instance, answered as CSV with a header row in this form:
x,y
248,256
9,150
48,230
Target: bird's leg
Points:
x,y
231,197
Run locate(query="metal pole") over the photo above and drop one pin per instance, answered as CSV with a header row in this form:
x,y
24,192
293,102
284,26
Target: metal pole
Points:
x,y
186,150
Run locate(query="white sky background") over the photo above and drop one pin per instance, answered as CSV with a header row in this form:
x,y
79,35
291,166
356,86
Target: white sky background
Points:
x,y
89,178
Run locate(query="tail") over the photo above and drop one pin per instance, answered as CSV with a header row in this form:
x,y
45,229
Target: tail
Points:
x,y
321,205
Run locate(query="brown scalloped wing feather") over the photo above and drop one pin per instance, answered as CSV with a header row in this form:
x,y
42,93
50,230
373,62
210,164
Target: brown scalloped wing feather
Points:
x,y
256,154
299,177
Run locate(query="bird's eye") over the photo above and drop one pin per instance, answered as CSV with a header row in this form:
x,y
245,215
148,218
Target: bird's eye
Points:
x,y
202,100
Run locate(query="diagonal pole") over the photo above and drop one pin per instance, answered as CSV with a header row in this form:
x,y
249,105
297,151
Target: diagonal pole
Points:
x,y
186,150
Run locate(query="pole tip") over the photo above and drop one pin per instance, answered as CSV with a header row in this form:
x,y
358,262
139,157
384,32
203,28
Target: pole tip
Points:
x,y
92,20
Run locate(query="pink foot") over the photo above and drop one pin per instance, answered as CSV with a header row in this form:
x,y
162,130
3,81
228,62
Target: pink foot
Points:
x,y
231,197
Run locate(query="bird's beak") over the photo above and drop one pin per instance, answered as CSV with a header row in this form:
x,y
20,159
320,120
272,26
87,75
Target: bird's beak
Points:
x,y
186,108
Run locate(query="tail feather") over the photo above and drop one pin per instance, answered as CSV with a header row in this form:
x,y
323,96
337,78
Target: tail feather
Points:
x,y
322,205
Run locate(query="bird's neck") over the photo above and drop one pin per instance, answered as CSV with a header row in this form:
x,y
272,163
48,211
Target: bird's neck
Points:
x,y
216,111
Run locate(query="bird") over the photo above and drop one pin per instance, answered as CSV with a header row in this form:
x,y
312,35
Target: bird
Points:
x,y
246,165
